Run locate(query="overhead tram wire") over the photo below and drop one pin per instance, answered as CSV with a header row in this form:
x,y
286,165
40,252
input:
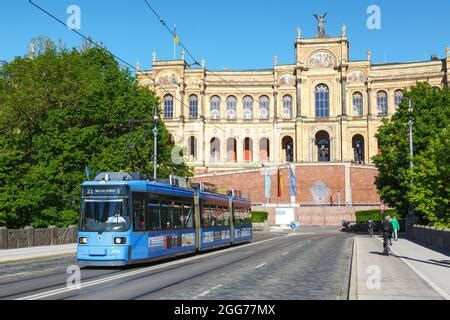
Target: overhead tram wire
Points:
x,y
89,39
163,22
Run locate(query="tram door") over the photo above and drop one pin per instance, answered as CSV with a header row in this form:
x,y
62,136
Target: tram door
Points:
x,y
231,211
197,220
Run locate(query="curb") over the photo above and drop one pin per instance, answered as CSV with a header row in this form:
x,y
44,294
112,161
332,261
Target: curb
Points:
x,y
353,274
38,258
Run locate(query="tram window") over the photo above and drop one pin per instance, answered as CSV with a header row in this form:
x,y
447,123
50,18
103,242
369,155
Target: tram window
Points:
x,y
166,217
239,216
248,216
226,217
236,217
152,216
188,213
138,206
206,216
214,217
178,217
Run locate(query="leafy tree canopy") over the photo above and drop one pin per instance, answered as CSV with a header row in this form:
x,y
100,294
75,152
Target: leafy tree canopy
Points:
x,y
59,112
426,187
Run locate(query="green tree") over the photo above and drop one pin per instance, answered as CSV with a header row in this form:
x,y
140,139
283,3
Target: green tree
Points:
x,y
59,112
430,192
431,111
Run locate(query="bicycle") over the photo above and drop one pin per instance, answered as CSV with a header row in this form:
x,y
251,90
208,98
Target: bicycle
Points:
x,y
386,249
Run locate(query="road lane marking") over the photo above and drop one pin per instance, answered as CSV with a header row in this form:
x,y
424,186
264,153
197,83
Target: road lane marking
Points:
x,y
141,271
285,253
260,266
300,246
205,293
441,292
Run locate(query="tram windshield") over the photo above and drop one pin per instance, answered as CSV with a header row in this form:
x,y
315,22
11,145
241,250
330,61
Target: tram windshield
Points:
x,y
104,214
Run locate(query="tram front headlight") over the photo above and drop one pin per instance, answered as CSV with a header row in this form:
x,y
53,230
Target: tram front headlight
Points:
x,y
82,240
120,240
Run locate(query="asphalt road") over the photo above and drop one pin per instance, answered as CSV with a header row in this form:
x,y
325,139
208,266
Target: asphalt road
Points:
x,y
305,266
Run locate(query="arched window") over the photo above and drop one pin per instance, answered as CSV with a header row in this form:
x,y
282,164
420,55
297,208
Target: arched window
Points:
x,y
192,149
231,150
357,104
323,146
382,103
264,149
231,108
264,107
287,144
287,107
214,150
168,106
215,107
398,98
248,150
322,101
358,149
193,107
248,108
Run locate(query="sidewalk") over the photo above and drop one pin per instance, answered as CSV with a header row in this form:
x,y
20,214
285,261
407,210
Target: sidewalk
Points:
x,y
411,272
36,253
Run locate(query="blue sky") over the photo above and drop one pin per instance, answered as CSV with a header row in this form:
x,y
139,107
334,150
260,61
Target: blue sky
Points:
x,y
235,34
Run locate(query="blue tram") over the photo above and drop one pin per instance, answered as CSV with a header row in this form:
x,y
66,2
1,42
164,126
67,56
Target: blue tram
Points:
x,y
126,219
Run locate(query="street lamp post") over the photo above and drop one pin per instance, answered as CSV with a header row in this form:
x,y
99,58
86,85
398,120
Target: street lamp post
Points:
x,y
411,214
155,152
155,143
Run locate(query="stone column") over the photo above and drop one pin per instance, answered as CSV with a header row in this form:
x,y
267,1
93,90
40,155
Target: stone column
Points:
x,y
344,95
369,99
275,105
240,150
299,98
181,94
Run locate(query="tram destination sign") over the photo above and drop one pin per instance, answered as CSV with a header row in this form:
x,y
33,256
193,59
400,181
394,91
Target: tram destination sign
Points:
x,y
104,191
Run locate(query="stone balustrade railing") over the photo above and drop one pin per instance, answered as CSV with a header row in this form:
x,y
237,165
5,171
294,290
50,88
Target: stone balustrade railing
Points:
x,y
437,238
31,237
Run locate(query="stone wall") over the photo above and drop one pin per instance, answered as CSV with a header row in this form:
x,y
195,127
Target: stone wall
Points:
x,y
30,237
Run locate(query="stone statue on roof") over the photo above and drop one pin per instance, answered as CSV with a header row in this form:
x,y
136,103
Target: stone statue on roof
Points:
x,y
321,27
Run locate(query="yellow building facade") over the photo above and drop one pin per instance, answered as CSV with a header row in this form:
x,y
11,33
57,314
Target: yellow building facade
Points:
x,y
322,108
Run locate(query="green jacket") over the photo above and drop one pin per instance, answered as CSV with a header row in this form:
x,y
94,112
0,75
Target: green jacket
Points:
x,y
395,224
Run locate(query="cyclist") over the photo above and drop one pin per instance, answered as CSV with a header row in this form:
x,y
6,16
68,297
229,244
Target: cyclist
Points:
x,y
370,227
387,234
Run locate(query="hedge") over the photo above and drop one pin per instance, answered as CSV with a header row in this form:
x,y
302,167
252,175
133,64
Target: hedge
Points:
x,y
259,216
374,215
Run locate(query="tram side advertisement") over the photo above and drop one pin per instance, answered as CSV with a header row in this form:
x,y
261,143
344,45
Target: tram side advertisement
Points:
x,y
171,241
